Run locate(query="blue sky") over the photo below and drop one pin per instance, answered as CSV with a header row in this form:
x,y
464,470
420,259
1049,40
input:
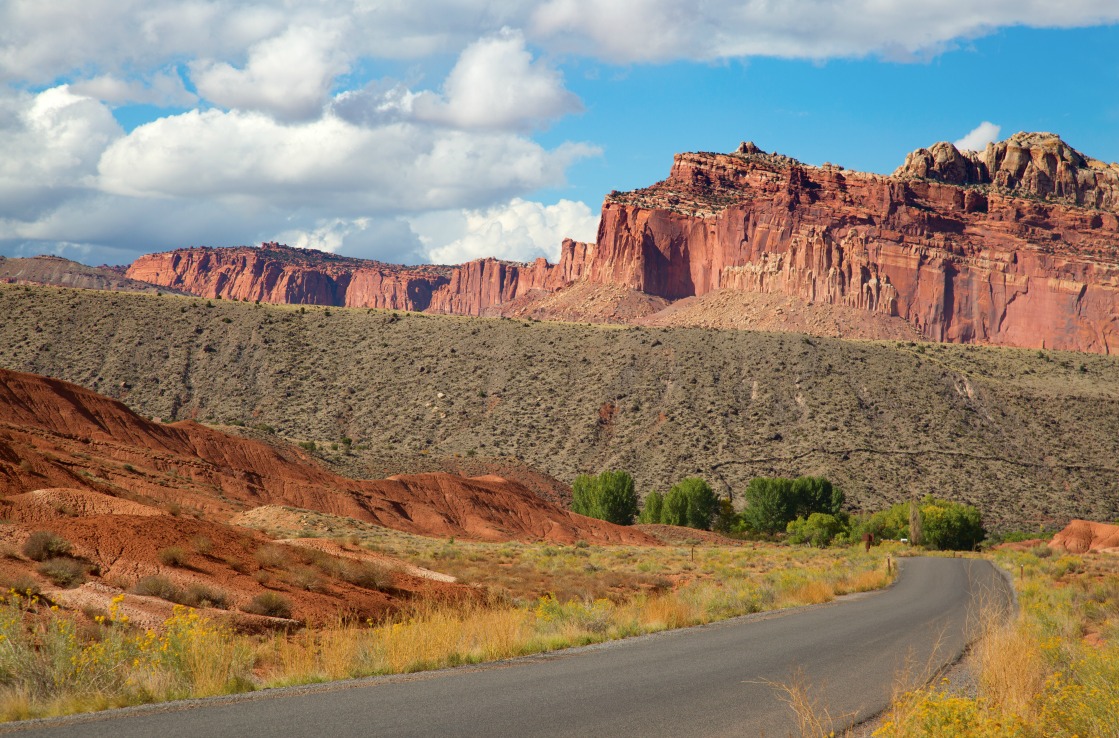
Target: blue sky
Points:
x,y
443,131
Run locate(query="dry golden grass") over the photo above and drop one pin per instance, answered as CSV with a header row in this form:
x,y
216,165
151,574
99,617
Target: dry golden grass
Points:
x,y
49,668
1039,675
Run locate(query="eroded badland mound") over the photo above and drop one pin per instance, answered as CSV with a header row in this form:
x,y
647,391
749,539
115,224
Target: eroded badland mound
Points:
x,y
1015,246
137,499
42,419
1029,436
1083,536
53,270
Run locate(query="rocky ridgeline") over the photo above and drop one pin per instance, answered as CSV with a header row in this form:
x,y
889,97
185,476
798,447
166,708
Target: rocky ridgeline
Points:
x,y
1014,263
1018,246
1027,164
280,274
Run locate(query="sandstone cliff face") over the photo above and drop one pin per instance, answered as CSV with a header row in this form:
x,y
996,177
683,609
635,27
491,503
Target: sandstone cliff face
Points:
x,y
961,264
279,274
1017,245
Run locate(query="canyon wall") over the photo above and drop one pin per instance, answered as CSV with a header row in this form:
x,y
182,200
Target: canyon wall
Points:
x,y
1016,245
1013,258
279,274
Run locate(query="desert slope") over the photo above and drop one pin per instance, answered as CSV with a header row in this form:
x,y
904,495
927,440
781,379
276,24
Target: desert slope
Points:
x,y
55,434
1030,436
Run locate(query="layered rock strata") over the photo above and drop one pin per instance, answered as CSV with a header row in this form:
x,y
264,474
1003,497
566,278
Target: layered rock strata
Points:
x,y
280,274
1010,248
1017,245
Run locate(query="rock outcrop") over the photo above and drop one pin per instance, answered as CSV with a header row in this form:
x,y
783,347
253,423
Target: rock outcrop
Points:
x,y
1018,247
1084,536
280,274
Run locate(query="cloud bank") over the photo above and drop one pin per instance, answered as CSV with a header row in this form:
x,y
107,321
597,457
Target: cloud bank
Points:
x,y
272,119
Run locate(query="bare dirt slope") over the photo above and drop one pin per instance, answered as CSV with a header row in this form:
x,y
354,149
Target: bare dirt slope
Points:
x,y
759,311
1030,436
1083,536
55,434
59,272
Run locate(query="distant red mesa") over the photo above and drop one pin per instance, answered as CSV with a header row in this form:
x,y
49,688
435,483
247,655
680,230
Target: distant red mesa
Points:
x,y
1016,246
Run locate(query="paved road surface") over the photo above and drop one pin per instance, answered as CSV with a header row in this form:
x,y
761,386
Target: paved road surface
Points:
x,y
715,680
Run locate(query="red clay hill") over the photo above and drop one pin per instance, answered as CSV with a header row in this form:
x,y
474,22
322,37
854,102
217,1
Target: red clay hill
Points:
x,y
147,510
1017,245
57,435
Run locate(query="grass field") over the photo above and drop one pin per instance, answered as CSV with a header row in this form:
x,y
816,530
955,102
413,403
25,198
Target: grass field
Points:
x,y
1031,437
1053,672
52,665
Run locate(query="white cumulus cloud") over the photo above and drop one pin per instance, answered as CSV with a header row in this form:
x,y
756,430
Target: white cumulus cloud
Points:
x,y
497,84
288,76
519,230
978,138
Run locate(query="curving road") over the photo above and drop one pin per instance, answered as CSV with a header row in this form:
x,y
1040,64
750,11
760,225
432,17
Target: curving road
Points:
x,y
715,680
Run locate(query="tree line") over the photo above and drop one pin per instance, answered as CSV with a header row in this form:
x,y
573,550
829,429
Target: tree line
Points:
x,y
805,510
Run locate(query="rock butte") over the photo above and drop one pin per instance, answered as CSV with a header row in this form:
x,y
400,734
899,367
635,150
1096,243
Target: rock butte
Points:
x,y
1017,245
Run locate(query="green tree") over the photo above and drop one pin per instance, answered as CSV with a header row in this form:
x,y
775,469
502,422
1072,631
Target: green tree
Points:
x,y
675,508
584,495
817,494
610,496
770,504
617,497
773,502
951,526
652,509
818,529
702,502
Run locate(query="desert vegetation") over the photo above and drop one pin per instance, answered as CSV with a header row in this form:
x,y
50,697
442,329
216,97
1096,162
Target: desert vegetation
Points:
x,y
539,598
1027,436
1051,672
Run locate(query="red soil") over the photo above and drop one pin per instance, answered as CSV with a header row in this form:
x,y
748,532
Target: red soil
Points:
x,y
1082,536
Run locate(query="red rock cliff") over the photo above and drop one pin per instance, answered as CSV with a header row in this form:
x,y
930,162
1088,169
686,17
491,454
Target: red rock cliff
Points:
x,y
279,274
1017,247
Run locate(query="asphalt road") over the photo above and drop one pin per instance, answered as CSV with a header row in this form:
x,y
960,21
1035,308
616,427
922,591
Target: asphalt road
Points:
x,y
716,680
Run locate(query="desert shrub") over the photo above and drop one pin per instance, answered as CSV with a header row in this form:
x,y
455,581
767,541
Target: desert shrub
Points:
x,y
161,587
203,595
23,585
307,578
173,556
270,604
610,496
42,545
652,509
272,555
202,545
365,574
64,572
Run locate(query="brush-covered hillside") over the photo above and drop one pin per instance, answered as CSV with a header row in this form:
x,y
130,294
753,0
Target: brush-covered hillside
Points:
x,y
1030,436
